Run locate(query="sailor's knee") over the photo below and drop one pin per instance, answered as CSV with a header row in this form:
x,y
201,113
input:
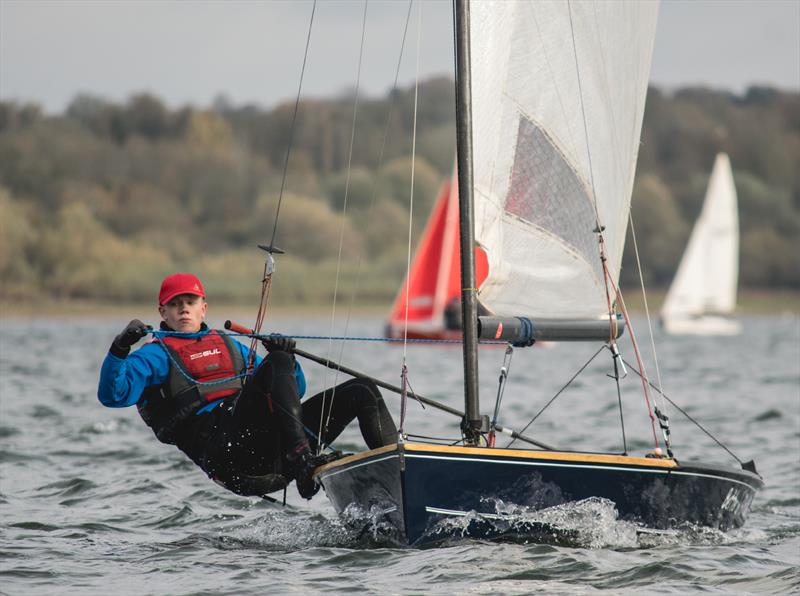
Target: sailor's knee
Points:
x,y
364,390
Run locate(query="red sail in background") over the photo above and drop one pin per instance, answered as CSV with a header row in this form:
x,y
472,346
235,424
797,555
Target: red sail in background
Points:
x,y
435,276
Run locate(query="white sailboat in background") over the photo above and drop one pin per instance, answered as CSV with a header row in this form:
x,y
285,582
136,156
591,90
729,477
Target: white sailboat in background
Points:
x,y
702,296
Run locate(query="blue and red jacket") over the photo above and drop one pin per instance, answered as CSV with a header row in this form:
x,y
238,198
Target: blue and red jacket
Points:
x,y
165,396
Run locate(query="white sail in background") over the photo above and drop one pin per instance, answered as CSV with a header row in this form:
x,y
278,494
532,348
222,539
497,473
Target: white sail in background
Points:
x,y
558,92
704,289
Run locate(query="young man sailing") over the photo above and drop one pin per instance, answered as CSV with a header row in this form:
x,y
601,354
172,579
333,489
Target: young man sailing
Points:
x,y
247,432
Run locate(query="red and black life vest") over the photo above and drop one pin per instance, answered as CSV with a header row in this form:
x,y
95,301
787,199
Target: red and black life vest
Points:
x,y
194,366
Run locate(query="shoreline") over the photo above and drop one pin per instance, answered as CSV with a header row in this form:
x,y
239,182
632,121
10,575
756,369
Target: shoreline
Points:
x,y
242,313
754,301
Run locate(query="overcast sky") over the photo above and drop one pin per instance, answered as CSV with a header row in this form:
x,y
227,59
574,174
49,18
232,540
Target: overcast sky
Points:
x,y
251,51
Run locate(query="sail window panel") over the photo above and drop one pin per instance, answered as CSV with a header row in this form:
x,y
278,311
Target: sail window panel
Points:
x,y
544,188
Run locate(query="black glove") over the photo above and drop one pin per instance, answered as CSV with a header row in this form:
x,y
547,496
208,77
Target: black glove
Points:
x,y
133,332
302,467
275,342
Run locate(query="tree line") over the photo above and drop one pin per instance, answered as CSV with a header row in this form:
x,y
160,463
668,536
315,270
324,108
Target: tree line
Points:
x,y
101,201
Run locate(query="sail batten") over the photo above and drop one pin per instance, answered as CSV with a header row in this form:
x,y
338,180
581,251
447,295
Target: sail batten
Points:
x,y
555,153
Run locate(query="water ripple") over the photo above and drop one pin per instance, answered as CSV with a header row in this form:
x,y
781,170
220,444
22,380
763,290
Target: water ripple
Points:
x,y
92,504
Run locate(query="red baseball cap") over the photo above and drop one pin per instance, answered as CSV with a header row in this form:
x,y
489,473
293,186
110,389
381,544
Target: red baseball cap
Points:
x,y
177,284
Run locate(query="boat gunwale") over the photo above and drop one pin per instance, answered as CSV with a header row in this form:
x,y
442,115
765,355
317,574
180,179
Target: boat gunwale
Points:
x,y
495,452
563,457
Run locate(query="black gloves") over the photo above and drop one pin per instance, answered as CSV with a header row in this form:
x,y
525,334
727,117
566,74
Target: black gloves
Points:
x,y
275,342
133,332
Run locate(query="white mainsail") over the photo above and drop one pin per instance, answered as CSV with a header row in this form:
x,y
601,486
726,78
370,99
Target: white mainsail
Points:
x,y
707,276
558,92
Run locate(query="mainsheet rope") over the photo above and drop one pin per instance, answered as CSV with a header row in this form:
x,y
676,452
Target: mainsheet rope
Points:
x,y
157,333
161,333
323,423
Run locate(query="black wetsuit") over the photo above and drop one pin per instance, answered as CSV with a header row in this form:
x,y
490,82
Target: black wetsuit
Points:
x,y
245,443
244,440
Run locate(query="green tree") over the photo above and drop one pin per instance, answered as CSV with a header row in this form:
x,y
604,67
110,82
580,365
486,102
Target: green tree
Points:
x,y
18,276
80,258
395,182
359,187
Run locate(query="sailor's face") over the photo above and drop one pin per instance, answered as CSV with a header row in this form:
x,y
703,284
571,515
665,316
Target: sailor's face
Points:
x,y
184,313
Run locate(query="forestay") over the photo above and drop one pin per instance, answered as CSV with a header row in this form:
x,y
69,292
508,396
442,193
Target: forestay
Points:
x,y
558,97
709,270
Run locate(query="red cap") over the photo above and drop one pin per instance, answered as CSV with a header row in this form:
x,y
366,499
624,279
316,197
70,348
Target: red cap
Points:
x,y
177,284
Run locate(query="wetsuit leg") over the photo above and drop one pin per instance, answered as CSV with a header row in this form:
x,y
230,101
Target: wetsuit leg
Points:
x,y
272,394
356,398
260,430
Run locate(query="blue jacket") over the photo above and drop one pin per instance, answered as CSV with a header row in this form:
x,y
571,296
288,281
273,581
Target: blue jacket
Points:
x,y
123,380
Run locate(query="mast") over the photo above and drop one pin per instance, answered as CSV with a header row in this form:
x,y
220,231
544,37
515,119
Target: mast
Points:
x,y
472,423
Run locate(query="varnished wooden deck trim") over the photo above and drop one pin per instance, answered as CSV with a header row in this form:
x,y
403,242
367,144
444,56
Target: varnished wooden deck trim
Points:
x,y
591,458
594,458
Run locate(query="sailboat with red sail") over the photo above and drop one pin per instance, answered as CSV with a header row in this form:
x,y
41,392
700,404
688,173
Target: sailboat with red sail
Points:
x,y
429,301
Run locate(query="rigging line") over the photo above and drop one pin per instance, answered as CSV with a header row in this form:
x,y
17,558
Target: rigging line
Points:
x,y
583,114
684,412
599,227
323,425
646,307
375,185
619,399
266,280
404,367
413,163
501,388
338,338
635,344
614,130
559,392
447,440
606,276
266,286
607,92
294,121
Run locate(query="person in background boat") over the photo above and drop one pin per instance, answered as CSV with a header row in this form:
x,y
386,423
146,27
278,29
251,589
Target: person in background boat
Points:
x,y
248,433
452,313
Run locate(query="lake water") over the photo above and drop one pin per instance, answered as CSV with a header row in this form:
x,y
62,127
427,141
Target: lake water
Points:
x,y
91,503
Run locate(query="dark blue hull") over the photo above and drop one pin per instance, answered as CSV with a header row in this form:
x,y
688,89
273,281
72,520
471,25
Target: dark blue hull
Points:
x,y
414,486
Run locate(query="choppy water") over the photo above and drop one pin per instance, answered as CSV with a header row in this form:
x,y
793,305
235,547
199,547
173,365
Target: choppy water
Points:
x,y
91,503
